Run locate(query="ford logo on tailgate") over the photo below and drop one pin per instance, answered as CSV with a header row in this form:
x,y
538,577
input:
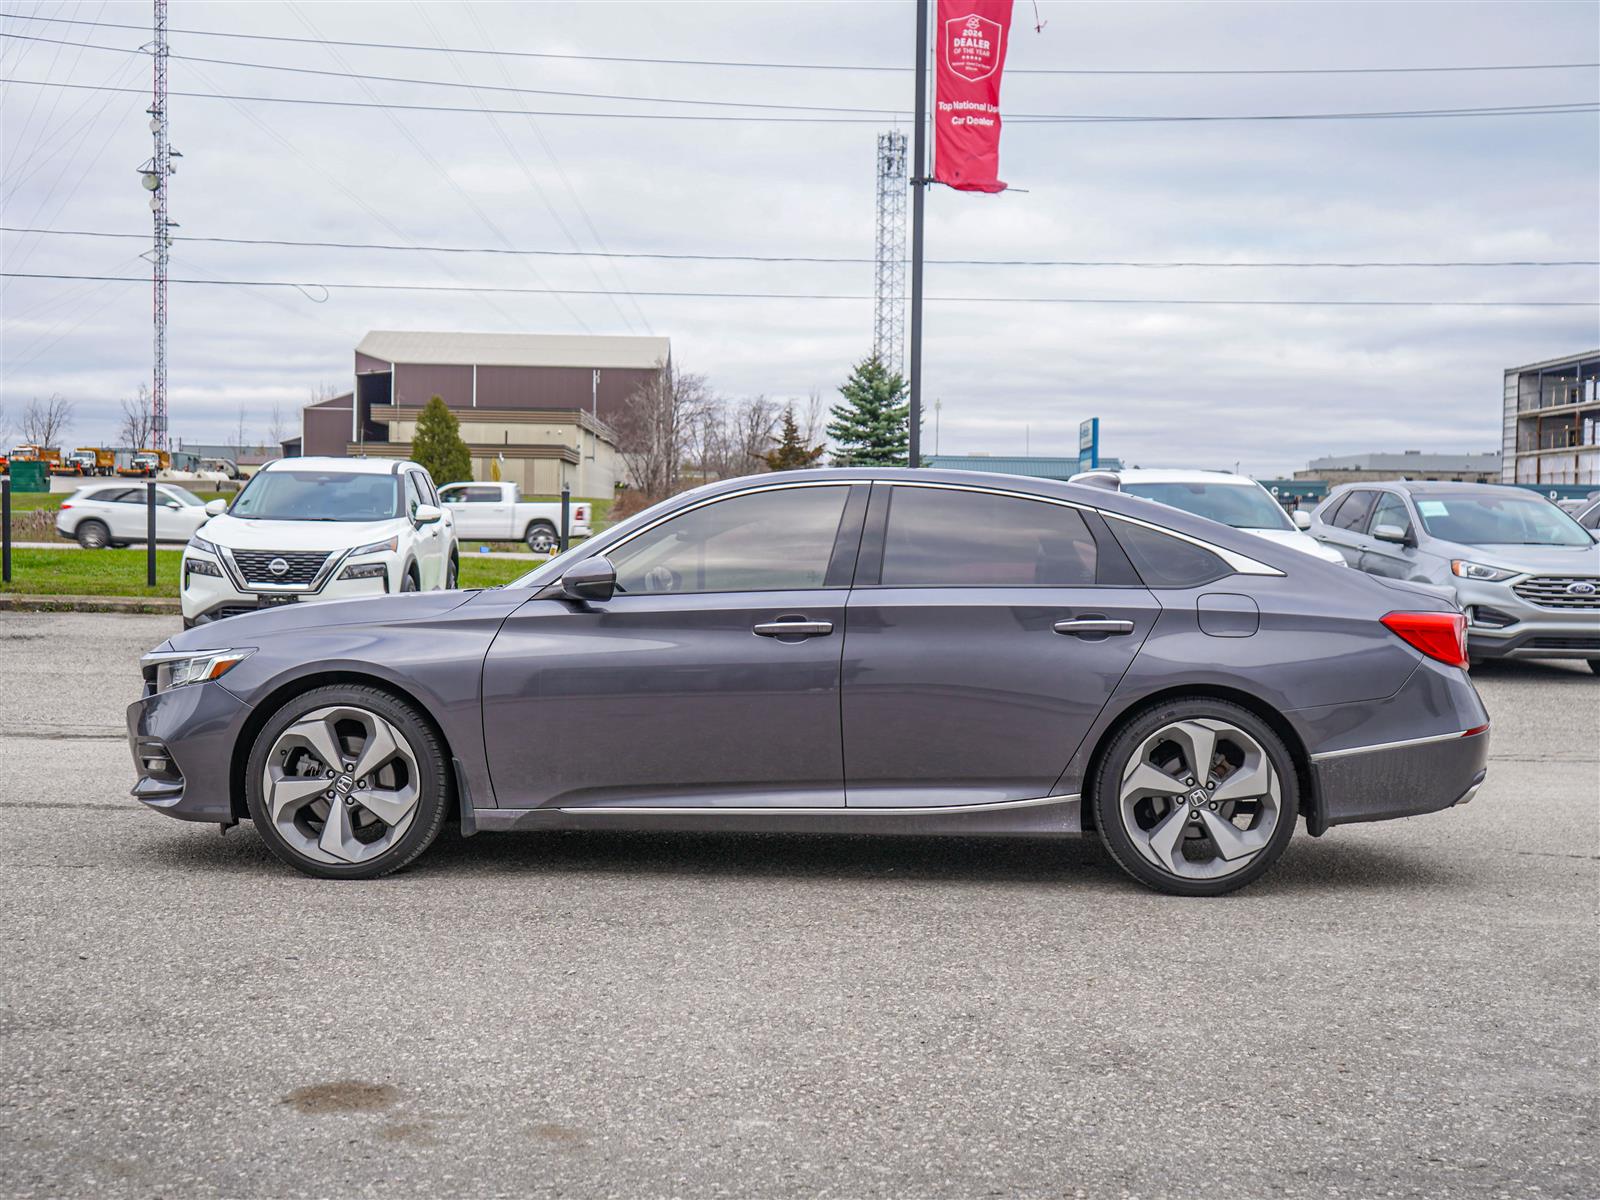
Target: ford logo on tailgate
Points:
x,y
278,567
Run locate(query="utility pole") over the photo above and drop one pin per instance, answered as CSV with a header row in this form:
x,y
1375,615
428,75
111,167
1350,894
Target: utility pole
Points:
x,y
889,278
919,186
155,173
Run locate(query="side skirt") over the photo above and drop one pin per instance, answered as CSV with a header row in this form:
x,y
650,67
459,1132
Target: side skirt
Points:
x,y
1042,816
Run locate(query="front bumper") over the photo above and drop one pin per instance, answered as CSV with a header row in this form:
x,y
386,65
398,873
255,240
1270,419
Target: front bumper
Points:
x,y
192,732
1401,779
1501,624
213,597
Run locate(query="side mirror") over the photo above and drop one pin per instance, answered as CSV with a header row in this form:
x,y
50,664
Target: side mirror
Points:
x,y
1391,533
427,514
1301,519
592,579
215,508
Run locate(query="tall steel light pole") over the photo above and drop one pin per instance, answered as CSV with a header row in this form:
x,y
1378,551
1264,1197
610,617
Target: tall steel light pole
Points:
x,y
919,186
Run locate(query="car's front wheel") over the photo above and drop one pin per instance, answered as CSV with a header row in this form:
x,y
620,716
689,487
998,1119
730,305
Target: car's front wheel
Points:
x,y
1196,797
347,782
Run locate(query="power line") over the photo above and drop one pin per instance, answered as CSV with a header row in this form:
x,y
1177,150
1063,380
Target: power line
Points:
x,y
831,260
1515,110
802,66
304,285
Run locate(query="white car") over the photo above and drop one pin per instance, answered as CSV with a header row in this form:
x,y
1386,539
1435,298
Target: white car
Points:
x,y
1230,499
114,514
496,512
311,529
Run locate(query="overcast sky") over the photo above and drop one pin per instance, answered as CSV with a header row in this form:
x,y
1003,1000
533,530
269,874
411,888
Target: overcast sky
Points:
x,y
1266,387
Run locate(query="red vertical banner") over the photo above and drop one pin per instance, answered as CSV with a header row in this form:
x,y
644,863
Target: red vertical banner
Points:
x,y
970,39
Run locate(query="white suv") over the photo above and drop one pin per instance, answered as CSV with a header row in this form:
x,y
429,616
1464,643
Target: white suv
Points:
x,y
309,529
1231,499
115,514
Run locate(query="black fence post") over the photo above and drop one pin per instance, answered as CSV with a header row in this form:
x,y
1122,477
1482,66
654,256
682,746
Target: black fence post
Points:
x,y
150,533
5,528
566,515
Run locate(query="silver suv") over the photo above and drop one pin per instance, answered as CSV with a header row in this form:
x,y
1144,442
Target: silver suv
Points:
x,y
1526,574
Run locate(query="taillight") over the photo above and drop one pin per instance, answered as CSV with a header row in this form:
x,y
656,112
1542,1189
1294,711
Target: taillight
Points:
x,y
66,504
1441,636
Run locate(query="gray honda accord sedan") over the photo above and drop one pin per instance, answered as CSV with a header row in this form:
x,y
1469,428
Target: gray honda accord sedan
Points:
x,y
858,651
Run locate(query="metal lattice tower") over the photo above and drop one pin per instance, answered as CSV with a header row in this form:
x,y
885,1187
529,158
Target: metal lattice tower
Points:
x,y
889,282
156,173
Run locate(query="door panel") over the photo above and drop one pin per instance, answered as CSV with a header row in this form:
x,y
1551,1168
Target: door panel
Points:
x,y
1344,533
666,700
968,695
1388,558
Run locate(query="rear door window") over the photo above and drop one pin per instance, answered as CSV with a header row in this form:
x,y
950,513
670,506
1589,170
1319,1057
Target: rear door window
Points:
x,y
1353,513
948,537
1166,561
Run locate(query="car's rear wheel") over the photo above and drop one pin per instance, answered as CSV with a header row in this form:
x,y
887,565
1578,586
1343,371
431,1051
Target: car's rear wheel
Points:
x,y
1196,797
347,782
93,535
542,537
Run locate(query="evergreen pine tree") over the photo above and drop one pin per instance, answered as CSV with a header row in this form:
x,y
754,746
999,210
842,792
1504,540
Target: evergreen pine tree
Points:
x,y
791,453
872,426
437,444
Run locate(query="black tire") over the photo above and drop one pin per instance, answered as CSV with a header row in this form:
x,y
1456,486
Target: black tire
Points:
x,y
452,575
541,537
433,779
1105,797
92,534
411,583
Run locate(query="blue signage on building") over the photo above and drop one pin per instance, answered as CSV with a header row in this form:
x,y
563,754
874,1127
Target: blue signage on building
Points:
x,y
1089,444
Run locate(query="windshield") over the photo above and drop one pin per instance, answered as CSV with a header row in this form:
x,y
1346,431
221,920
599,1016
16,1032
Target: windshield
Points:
x,y
319,496
1512,519
1244,506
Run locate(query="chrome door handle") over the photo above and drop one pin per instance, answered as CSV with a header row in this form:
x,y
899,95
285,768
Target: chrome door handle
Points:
x,y
793,628
1079,626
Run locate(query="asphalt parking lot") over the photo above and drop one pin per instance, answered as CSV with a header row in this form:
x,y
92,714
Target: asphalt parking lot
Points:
x,y
1398,1009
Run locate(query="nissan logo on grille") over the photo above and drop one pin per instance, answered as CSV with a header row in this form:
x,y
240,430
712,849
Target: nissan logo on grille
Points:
x,y
278,567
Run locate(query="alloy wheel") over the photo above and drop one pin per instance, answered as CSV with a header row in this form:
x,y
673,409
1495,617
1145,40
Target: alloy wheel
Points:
x,y
1200,798
341,785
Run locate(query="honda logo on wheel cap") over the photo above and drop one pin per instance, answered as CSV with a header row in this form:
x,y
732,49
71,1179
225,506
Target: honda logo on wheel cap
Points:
x,y
278,567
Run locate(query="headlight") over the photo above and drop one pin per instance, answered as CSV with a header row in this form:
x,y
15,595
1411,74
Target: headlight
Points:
x,y
201,566
196,542
1482,572
176,670
373,570
391,546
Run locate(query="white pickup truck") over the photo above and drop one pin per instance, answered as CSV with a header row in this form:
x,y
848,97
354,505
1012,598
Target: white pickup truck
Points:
x,y
496,512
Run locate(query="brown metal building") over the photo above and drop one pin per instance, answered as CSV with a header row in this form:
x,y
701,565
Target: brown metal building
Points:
x,y
539,404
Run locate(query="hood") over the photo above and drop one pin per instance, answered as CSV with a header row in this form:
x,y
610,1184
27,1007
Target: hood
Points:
x,y
1536,560
237,533
250,628
1299,541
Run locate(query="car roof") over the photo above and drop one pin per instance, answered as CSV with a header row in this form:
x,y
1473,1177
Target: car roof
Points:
x,y
1177,475
345,466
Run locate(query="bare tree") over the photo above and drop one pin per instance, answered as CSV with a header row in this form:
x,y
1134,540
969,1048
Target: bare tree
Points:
x,y
277,429
656,430
239,433
44,423
814,420
138,422
731,439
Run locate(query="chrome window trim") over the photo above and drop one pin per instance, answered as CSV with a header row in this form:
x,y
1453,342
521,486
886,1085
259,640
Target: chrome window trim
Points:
x,y
1421,741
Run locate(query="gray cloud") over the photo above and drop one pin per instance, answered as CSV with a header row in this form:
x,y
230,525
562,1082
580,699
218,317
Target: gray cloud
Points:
x,y
1266,387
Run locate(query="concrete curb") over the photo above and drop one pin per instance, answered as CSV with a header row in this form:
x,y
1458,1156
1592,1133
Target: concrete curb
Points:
x,y
15,602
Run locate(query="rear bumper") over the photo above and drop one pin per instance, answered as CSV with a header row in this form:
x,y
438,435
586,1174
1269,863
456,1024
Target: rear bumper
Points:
x,y
1401,779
